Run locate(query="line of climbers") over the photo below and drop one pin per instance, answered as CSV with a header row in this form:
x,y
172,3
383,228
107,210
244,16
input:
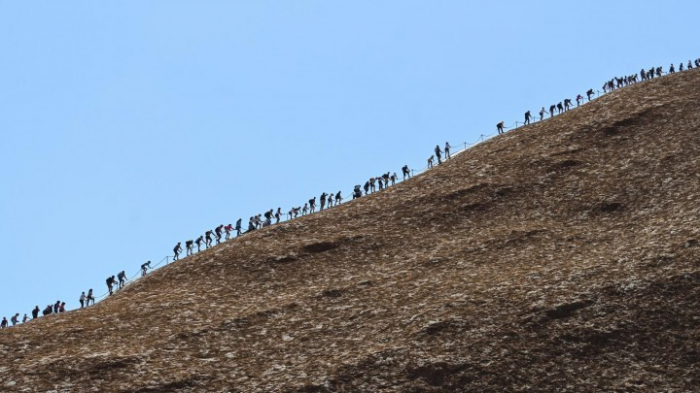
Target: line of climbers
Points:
x,y
608,86
328,200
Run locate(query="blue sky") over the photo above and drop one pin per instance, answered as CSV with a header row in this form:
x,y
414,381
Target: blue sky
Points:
x,y
128,126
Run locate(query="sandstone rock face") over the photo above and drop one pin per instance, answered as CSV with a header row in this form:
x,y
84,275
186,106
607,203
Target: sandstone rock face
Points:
x,y
561,256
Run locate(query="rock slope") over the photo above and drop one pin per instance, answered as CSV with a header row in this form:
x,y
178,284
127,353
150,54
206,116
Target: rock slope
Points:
x,y
562,256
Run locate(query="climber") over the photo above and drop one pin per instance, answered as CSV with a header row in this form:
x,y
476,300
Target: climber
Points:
x,y
144,271
89,297
122,279
110,283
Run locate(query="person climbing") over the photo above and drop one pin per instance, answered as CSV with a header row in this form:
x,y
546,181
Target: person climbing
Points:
x,y
672,70
199,242
680,67
189,245
438,154
338,199
499,127
82,299
207,238
579,98
3,324
305,209
430,161
447,151
35,312
366,187
25,318
406,172
372,185
589,93
227,230
176,250
238,227
90,297
251,224
48,310
57,306
62,307
323,200
312,205
217,232
357,192
144,271
552,108
15,319
527,118
393,179
278,215
542,112
560,108
110,283
567,104
122,279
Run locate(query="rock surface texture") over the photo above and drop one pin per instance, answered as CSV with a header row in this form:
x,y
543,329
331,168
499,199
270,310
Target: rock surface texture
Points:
x,y
562,256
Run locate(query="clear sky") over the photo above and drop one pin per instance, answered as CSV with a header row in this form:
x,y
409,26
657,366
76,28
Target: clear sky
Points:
x,y
127,126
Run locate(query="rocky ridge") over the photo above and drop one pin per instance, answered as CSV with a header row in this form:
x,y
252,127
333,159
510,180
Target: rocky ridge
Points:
x,y
562,256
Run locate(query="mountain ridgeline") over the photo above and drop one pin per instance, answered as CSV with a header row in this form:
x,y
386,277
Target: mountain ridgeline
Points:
x,y
560,256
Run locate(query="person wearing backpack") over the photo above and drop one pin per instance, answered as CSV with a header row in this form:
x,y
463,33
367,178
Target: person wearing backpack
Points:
x,y
110,282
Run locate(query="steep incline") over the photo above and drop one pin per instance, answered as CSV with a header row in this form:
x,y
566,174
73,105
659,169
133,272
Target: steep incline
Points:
x,y
560,256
